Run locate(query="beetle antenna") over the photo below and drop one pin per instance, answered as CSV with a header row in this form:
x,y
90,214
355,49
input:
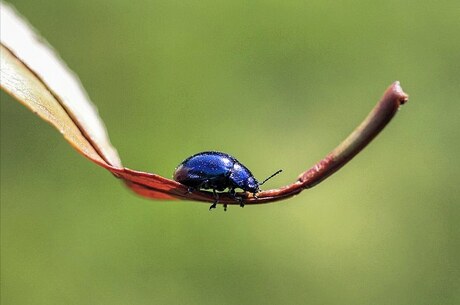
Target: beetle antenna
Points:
x,y
271,176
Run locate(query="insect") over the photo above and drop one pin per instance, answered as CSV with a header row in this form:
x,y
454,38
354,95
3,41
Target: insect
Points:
x,y
217,171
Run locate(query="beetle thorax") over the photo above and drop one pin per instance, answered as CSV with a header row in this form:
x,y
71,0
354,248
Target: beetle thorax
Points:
x,y
242,178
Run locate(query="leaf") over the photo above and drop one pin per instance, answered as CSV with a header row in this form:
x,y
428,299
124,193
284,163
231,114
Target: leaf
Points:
x,y
35,75
20,82
32,72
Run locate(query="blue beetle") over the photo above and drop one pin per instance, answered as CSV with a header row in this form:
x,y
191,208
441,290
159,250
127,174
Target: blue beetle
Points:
x,y
217,171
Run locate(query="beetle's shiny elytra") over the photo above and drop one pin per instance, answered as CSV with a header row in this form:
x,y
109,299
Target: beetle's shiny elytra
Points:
x,y
217,171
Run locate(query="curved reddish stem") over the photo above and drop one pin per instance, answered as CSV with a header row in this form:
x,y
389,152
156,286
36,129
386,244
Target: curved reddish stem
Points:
x,y
157,187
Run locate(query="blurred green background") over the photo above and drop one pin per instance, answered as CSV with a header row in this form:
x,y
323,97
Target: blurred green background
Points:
x,y
277,84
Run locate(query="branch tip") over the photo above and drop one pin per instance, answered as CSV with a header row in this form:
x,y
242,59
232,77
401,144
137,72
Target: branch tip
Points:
x,y
402,97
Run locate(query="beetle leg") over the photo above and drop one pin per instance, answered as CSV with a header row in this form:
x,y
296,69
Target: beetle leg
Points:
x,y
232,193
237,198
191,189
216,199
202,184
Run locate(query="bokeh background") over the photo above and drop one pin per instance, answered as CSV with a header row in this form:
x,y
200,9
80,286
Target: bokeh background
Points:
x,y
277,84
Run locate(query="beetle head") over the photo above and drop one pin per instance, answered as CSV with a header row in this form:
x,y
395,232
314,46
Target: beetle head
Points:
x,y
251,185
